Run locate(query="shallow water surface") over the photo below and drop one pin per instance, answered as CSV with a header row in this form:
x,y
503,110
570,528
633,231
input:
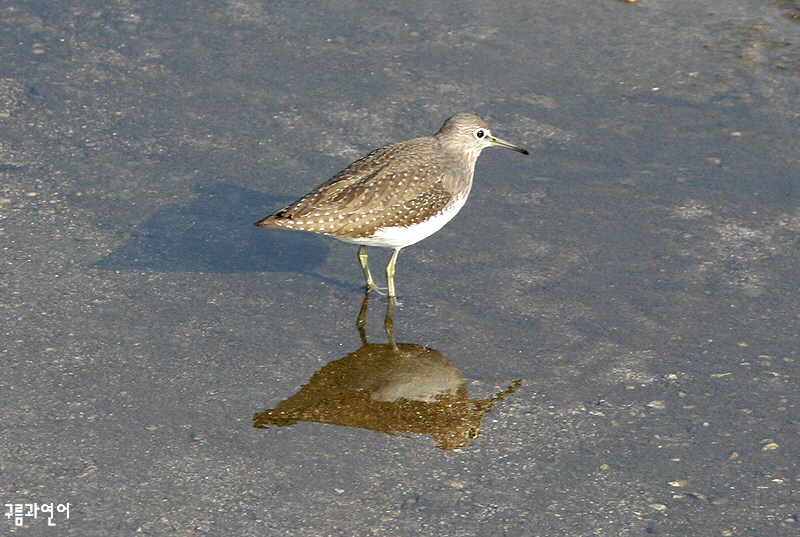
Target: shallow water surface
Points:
x,y
637,274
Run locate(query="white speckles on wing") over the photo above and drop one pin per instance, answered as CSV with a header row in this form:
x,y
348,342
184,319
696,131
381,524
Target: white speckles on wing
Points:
x,y
396,195
400,236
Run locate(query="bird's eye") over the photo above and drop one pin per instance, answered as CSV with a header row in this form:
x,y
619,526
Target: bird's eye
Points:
x,y
479,134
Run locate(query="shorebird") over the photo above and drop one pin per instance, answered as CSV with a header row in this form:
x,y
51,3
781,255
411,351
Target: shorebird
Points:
x,y
397,195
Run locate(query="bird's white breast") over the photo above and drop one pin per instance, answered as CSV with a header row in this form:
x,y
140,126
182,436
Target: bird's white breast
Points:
x,y
402,236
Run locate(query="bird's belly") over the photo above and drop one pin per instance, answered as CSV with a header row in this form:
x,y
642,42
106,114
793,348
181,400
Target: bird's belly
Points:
x,y
402,236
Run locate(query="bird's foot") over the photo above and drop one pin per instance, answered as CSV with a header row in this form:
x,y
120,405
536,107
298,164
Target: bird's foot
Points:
x,y
372,286
382,291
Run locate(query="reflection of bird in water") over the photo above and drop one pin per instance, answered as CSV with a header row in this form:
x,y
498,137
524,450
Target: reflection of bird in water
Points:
x,y
390,388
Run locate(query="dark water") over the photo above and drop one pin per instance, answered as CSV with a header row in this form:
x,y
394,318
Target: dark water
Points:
x,y
638,273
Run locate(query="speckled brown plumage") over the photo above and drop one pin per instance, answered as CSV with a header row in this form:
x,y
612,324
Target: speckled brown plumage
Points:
x,y
396,195
371,192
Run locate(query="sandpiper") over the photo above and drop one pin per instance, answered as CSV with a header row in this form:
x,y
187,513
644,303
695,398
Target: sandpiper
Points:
x,y
397,195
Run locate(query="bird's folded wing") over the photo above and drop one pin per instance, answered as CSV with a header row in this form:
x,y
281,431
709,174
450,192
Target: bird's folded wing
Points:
x,y
385,178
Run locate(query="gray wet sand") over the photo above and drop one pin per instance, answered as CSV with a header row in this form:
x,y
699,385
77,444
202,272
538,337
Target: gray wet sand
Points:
x,y
638,272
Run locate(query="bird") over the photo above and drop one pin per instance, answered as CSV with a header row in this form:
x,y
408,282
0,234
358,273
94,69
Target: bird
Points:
x,y
396,195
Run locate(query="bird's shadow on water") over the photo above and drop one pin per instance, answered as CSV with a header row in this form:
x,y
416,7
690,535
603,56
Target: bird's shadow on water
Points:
x,y
215,233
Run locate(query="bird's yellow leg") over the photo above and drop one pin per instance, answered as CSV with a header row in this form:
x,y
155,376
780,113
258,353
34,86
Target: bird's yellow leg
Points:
x,y
362,259
390,272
